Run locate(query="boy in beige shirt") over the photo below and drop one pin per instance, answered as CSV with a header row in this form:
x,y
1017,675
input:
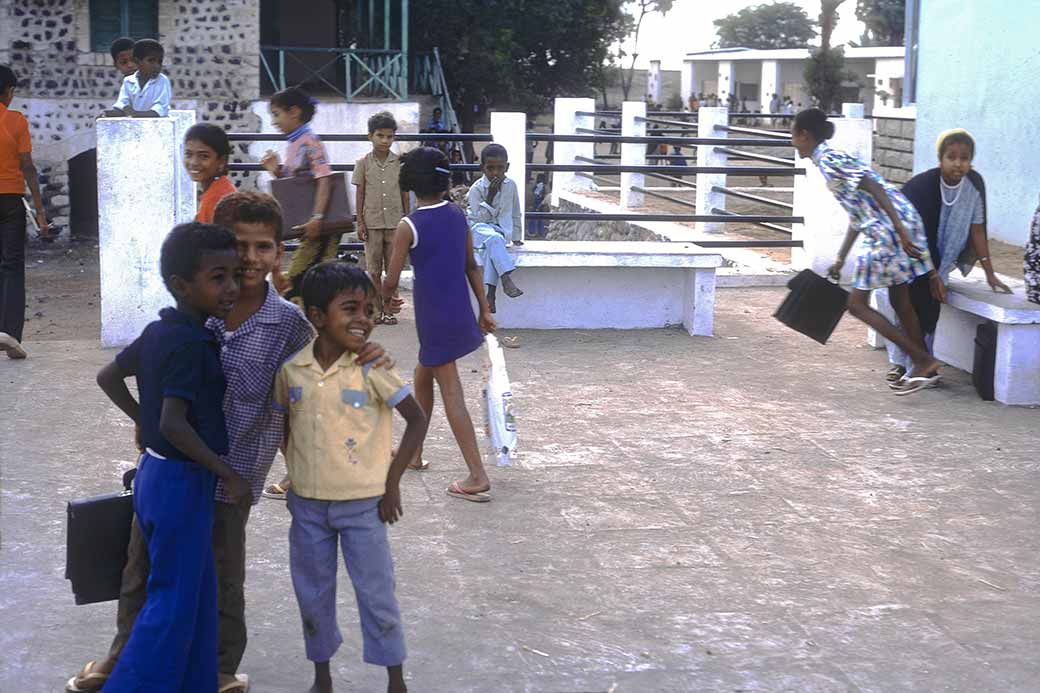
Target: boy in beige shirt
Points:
x,y
345,479
380,202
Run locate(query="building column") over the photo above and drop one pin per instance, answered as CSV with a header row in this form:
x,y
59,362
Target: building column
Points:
x,y
689,81
726,85
770,83
632,154
653,81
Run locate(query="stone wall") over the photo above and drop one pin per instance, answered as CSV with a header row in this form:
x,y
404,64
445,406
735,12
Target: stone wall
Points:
x,y
595,231
212,60
894,149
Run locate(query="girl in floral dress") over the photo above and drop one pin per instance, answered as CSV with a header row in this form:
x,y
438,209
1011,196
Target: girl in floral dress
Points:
x,y
1032,260
896,250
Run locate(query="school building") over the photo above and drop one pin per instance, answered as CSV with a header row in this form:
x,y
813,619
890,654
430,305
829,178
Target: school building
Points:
x,y
875,77
988,87
223,58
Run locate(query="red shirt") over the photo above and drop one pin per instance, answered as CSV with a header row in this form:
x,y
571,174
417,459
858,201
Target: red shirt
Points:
x,y
219,189
14,140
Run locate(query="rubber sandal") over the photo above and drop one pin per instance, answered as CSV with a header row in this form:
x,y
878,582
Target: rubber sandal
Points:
x,y
275,492
899,384
421,467
11,346
917,384
511,342
895,373
239,685
86,680
389,319
456,491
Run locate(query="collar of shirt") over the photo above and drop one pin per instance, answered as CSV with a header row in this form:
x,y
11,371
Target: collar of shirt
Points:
x,y
306,359
299,132
390,158
821,149
267,314
172,315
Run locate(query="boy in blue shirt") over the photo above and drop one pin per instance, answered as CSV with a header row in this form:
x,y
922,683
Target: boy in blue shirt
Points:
x,y
181,385
494,219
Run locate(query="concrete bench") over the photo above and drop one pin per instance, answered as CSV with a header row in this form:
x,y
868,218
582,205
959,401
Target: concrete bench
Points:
x,y
612,285
970,303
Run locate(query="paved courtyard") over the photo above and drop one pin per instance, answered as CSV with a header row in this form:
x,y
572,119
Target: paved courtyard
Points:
x,y
750,512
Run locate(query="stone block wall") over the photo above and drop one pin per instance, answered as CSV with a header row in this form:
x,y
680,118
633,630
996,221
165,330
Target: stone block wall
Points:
x,y
894,149
212,60
595,230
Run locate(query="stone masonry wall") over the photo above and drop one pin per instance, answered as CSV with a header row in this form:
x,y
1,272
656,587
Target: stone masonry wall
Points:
x,y
212,60
894,149
596,231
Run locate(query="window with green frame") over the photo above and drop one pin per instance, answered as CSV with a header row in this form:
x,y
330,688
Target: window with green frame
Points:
x,y
110,19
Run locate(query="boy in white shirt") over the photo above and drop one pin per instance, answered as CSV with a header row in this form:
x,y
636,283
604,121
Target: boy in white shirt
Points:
x,y
494,218
147,92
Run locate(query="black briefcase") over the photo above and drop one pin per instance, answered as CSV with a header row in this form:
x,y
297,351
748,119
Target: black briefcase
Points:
x,y
813,307
98,536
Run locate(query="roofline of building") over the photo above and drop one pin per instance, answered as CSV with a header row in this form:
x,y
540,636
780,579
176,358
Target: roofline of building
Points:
x,y
742,54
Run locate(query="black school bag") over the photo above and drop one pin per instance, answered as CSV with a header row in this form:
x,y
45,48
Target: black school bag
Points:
x,y
985,364
814,305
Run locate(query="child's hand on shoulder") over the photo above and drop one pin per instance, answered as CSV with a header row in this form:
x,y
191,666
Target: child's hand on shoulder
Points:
x,y
374,355
390,510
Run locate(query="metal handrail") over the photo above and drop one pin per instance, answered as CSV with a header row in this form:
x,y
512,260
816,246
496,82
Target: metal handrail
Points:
x,y
402,136
634,168
765,224
756,157
755,131
595,216
752,198
658,139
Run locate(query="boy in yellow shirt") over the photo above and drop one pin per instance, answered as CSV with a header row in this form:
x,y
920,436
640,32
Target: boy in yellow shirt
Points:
x,y
345,480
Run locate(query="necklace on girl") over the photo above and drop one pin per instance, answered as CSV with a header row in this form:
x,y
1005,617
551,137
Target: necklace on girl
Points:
x,y
944,186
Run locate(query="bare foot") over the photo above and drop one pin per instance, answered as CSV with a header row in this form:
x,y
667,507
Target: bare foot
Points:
x,y
396,682
323,686
511,290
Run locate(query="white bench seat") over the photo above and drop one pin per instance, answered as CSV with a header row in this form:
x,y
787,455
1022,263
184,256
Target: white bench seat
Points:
x,y
612,285
970,302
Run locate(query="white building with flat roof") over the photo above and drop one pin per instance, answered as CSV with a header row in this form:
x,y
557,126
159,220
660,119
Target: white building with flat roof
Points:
x,y
755,75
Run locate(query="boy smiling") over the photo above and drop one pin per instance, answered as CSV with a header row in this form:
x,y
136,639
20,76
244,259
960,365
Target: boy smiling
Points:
x,y
146,93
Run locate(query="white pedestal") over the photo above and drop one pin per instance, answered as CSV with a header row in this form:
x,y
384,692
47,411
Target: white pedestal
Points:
x,y
632,154
566,121
707,199
510,131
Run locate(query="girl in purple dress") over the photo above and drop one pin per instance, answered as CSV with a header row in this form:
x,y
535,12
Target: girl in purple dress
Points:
x,y
438,240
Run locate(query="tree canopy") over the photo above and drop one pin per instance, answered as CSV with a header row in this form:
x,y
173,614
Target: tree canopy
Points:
x,y
518,53
779,25
885,21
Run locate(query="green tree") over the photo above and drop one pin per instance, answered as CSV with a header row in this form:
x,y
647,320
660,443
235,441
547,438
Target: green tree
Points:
x,y
518,53
885,21
779,25
825,69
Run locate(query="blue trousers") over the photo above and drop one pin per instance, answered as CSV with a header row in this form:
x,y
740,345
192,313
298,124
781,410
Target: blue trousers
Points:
x,y
489,245
316,527
173,646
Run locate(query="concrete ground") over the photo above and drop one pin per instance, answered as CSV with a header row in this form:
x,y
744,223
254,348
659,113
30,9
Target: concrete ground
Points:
x,y
749,512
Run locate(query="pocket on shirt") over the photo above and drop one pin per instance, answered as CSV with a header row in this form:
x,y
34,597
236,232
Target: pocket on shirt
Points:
x,y
355,399
251,381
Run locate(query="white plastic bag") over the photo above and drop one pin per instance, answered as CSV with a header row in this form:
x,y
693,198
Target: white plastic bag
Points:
x,y
498,396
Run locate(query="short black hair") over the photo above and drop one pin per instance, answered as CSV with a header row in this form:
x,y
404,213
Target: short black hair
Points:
x,y
424,171
148,47
8,78
325,280
121,45
493,151
294,97
384,120
185,245
957,138
213,136
250,208
814,121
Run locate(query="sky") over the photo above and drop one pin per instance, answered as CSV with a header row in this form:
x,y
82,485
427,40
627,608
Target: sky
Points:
x,y
688,27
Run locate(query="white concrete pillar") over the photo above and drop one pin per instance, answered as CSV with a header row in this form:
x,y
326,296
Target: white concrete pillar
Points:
x,y
632,154
653,81
187,200
726,85
852,110
141,196
826,222
566,121
510,131
707,119
688,80
770,83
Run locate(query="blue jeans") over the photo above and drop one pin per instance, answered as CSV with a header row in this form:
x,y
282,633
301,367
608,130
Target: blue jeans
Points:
x,y
489,245
173,646
316,528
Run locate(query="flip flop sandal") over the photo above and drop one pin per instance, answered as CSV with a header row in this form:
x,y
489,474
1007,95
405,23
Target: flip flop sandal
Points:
x,y
917,384
381,320
456,491
275,492
899,384
895,373
422,467
389,319
239,685
92,680
511,342
11,346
